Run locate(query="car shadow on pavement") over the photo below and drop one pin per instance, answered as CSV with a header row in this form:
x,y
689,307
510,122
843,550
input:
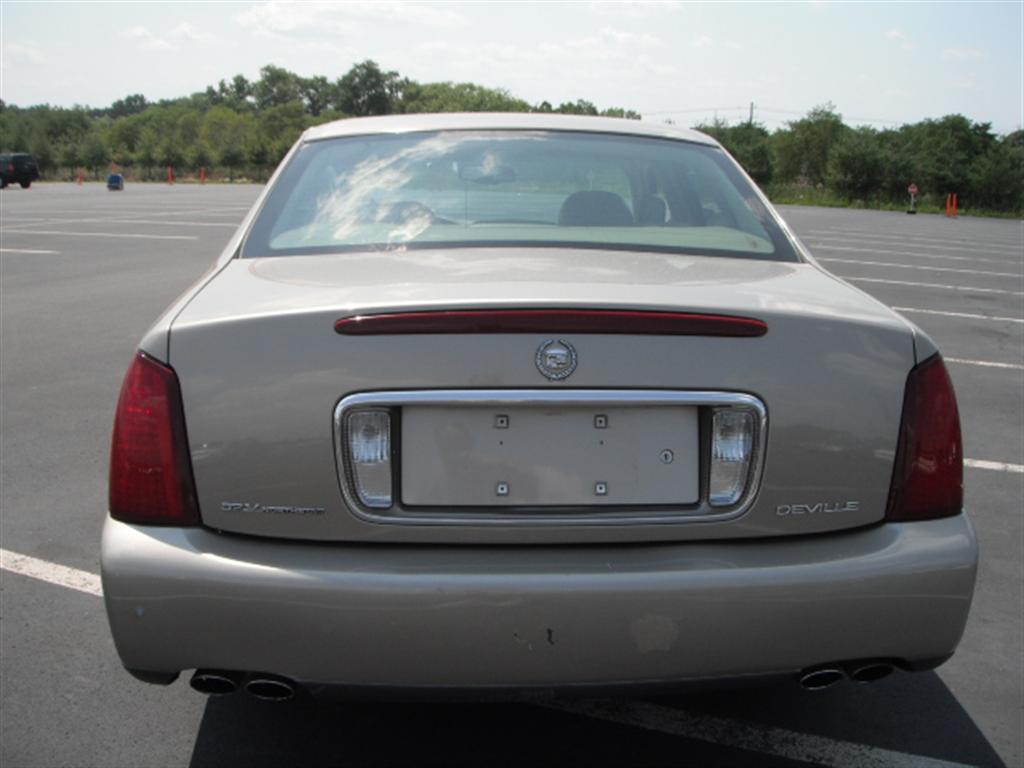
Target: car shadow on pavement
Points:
x,y
911,714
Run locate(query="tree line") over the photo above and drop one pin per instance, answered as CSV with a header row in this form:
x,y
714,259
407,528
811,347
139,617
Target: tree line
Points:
x,y
239,126
243,127
827,158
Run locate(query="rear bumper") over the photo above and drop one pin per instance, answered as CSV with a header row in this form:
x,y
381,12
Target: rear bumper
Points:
x,y
408,616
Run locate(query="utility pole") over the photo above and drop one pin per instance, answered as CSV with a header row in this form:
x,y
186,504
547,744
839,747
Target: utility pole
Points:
x,y
750,121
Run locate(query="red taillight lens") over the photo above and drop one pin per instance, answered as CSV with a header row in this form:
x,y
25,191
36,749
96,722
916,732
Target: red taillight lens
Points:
x,y
927,480
150,472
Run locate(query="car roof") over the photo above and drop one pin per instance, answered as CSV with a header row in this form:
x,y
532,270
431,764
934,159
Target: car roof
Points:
x,y
537,121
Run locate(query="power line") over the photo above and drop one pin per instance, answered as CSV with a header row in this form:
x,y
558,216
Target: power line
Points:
x,y
695,109
848,117
739,108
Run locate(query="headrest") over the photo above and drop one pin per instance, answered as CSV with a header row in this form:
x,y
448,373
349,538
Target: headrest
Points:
x,y
594,208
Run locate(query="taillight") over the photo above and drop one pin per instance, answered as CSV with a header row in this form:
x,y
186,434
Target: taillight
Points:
x,y
150,471
927,480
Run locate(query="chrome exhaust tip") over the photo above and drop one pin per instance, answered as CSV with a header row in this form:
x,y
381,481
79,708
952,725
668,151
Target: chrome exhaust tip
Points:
x,y
819,678
270,688
215,682
870,671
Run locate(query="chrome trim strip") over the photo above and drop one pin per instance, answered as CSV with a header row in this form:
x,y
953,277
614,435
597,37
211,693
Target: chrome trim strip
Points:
x,y
542,397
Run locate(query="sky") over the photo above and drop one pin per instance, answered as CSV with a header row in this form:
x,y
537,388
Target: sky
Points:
x,y
879,63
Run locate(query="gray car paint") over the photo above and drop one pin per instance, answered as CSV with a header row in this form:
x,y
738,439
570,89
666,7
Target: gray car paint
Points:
x,y
501,121
261,370
520,616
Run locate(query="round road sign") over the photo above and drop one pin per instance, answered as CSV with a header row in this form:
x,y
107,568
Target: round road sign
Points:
x,y
912,189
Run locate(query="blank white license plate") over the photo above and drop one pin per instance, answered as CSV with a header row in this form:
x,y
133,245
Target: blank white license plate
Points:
x,y
549,456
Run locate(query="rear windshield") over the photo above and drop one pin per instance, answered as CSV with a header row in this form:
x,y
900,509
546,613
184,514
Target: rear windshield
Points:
x,y
514,188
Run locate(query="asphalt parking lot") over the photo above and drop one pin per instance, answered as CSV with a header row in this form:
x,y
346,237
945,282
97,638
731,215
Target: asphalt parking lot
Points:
x,y
83,273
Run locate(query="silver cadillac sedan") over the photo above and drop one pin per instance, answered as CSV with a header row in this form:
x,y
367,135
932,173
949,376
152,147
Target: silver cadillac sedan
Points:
x,y
512,402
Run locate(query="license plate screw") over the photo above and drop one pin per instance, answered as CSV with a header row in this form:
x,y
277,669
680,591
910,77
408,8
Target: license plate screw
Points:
x,y
600,421
667,456
501,489
600,489
501,421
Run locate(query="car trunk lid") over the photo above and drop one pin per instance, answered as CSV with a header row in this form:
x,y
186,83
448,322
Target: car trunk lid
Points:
x,y
263,371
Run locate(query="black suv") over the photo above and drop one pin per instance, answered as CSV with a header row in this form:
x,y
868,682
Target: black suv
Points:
x,y
21,168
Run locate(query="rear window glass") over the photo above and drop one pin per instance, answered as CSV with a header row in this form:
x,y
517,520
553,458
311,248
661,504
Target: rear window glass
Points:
x,y
514,188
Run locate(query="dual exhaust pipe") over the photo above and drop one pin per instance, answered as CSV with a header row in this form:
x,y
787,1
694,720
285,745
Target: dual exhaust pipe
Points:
x,y
218,682
819,678
215,682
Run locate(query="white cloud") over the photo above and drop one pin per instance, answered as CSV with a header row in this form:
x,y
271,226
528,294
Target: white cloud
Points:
x,y
609,55
618,37
182,34
22,53
901,37
408,12
281,19
637,9
704,42
961,54
147,40
188,33
284,18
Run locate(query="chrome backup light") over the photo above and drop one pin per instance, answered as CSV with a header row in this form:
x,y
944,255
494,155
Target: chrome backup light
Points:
x,y
368,438
732,447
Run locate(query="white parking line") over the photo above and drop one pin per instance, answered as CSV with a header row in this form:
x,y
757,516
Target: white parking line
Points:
x,y
918,266
971,259
160,222
1010,247
883,240
740,734
57,214
220,210
26,250
996,466
933,285
176,222
138,236
737,734
985,363
959,314
61,575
